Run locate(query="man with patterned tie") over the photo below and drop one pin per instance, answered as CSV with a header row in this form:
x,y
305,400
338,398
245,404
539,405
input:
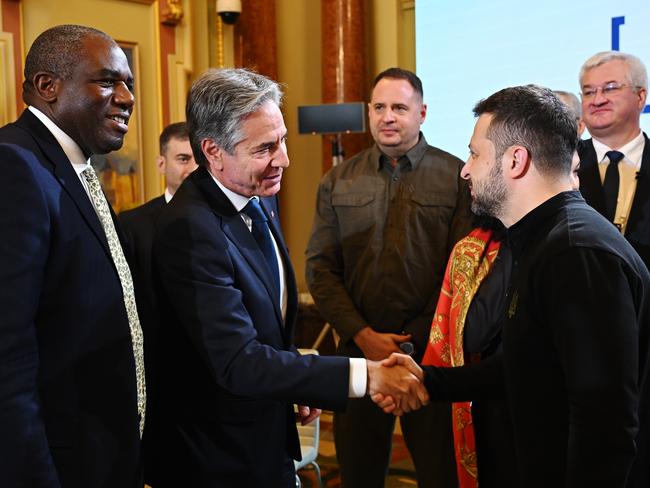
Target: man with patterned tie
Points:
x,y
72,388
615,163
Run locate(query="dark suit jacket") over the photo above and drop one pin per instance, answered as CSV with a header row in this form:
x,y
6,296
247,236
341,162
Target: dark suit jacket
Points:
x,y
228,377
139,228
138,225
68,413
637,231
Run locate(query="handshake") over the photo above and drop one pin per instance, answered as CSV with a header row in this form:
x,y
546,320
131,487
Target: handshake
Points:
x,y
396,384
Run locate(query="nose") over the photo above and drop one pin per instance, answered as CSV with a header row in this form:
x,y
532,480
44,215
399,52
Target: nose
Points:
x,y
281,157
599,97
464,171
388,116
123,96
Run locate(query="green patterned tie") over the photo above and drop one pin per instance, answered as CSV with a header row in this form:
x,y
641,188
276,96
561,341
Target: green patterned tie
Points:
x,y
124,273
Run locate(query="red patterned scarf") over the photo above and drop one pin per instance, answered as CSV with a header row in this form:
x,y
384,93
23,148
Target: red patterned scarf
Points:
x,y
469,263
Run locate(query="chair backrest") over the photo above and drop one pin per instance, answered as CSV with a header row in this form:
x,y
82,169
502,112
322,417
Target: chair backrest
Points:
x,y
309,434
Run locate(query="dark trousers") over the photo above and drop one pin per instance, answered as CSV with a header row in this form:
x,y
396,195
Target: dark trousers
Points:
x,y
363,438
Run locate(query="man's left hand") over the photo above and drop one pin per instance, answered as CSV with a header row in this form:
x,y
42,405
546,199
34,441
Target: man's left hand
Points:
x,y
306,415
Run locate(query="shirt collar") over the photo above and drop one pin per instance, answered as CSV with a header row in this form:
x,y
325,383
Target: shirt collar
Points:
x,y
413,155
238,201
521,231
632,151
69,146
168,195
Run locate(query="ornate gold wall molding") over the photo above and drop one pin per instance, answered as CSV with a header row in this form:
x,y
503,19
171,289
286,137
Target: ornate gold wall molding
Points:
x,y
173,13
7,79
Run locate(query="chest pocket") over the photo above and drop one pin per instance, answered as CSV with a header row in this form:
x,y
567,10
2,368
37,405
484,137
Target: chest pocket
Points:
x,y
427,211
355,213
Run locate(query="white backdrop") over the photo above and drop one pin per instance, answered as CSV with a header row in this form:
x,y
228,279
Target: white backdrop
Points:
x,y
468,49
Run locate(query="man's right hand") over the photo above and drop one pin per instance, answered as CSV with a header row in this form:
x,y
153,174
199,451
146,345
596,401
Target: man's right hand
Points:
x,y
377,345
398,385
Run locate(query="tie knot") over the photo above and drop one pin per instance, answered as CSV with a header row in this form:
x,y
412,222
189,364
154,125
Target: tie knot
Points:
x,y
614,156
254,210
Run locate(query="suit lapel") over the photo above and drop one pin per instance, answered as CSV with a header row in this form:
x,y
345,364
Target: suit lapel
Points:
x,y
290,279
590,185
641,199
65,174
235,228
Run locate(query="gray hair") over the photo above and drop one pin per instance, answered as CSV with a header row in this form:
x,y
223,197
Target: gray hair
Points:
x,y
571,100
219,101
637,71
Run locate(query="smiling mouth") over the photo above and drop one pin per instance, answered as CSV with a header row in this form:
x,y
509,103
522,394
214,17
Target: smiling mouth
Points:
x,y
119,119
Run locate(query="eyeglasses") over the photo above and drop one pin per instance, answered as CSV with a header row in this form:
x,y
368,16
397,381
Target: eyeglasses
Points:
x,y
607,90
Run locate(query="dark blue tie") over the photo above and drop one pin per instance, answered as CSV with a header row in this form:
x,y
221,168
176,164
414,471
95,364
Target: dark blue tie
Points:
x,y
610,184
262,234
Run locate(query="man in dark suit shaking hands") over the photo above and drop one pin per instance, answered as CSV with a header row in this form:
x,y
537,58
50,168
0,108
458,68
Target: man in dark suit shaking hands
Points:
x,y
229,374
615,163
72,389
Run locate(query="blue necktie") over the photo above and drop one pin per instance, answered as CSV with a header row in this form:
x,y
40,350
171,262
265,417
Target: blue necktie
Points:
x,y
262,234
610,184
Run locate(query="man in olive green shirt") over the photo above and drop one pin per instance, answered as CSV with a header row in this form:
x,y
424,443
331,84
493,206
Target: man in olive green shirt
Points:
x,y
386,221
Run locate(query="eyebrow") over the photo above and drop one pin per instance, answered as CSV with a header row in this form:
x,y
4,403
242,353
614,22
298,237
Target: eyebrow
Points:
x,y
111,73
268,144
603,83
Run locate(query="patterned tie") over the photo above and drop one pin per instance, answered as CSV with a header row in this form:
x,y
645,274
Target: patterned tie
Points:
x,y
124,273
262,234
610,184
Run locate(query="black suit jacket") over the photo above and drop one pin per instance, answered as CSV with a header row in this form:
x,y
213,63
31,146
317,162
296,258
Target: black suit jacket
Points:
x,y
138,225
68,413
228,373
637,231
139,228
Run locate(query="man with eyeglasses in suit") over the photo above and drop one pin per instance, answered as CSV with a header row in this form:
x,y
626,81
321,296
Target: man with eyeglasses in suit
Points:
x,y
615,163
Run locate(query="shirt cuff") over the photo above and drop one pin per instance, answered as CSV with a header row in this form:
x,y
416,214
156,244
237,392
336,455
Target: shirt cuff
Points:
x,y
358,378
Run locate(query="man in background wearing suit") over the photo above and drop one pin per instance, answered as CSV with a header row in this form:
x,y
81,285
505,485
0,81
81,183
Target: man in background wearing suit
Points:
x,y
72,389
228,302
175,161
615,163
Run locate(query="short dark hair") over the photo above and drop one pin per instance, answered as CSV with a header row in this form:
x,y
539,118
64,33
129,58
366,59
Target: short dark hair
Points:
x,y
58,50
535,118
177,130
401,74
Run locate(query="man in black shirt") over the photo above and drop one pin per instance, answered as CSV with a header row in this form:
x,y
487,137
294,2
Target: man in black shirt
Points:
x,y
575,334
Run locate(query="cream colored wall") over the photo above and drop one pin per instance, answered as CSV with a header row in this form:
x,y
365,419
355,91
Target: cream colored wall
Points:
x,y
392,34
392,43
299,67
136,23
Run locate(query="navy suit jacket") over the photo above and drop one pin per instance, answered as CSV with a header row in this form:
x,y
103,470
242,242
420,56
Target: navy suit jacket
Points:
x,y
228,374
637,231
68,413
138,225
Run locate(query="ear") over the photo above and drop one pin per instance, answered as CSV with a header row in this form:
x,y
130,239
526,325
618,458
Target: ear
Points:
x,y
160,164
46,86
643,93
213,153
423,113
581,126
518,161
